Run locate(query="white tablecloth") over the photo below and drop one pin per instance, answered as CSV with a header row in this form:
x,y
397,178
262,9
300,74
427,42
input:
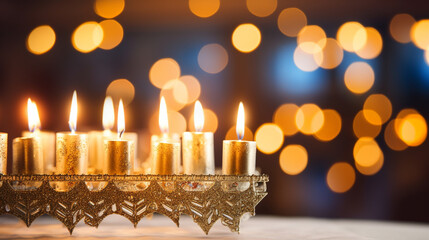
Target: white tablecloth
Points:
x,y
259,227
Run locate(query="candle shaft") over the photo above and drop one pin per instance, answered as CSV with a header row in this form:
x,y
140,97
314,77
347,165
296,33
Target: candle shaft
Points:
x,y
119,156
3,153
198,153
72,153
27,156
166,158
239,157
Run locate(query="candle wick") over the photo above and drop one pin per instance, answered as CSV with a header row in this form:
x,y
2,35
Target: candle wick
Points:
x,y
121,133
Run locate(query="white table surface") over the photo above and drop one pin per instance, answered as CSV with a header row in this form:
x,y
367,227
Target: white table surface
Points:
x,y
259,227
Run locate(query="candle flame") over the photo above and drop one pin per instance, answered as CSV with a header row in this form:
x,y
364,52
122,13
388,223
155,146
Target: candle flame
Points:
x,y
163,116
38,124
32,116
108,114
73,113
240,122
121,119
198,117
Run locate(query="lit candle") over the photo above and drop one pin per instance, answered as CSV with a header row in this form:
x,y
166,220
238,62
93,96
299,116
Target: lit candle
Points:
x,y
47,140
119,153
72,147
27,151
3,153
166,151
197,147
96,138
239,157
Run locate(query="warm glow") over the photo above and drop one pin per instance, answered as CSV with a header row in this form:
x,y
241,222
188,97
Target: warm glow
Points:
x,y
373,44
198,117
210,122
121,89
240,122
304,60
371,170
113,34
73,113
420,34
311,39
330,56
212,58
400,27
87,37
362,128
391,137
108,114
293,159
359,77
109,8
246,37
175,93
38,124
232,134
269,138
41,40
261,8
291,21
176,123
309,118
346,35
413,129
366,152
163,71
331,127
163,116
33,116
121,119
284,117
341,177
193,87
204,8
377,109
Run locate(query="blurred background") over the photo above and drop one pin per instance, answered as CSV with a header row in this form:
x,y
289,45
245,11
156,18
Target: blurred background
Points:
x,y
335,92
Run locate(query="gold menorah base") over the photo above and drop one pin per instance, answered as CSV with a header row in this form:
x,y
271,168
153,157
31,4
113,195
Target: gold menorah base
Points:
x,y
71,198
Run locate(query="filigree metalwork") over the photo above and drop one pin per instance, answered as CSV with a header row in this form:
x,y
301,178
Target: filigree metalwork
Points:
x,y
71,198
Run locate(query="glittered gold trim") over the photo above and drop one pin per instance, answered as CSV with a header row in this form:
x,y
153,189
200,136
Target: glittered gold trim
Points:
x,y
206,198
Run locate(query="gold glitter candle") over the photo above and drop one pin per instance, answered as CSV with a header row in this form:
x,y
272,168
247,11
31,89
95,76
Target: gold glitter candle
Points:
x,y
48,147
96,164
166,157
72,153
119,156
3,153
238,156
27,156
198,153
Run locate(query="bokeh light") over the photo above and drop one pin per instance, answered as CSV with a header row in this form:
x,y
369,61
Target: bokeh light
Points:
x,y
363,128
400,27
331,127
87,37
246,37
420,34
212,58
164,70
346,35
293,159
341,177
109,8
269,138
193,87
359,77
210,121
175,94
231,134
113,34
121,89
304,61
366,152
291,21
284,117
261,8
309,118
377,109
392,139
41,40
204,8
330,56
373,44
412,129
176,123
371,170
311,39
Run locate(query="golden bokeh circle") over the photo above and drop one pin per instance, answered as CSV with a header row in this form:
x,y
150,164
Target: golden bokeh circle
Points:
x,y
392,139
331,127
311,39
291,21
163,71
373,44
293,159
261,8
204,8
87,37
363,128
284,117
330,56
346,35
113,34
366,152
341,177
420,34
359,77
246,37
309,118
121,89
400,27
377,109
41,39
109,8
269,138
